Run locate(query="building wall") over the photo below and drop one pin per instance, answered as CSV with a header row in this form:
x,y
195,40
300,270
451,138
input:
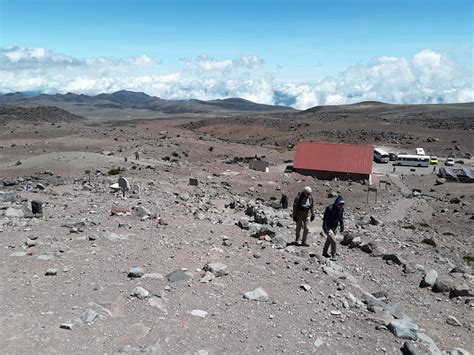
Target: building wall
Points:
x,y
259,165
329,175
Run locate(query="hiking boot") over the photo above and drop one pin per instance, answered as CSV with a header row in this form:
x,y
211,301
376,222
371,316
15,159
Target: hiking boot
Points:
x,y
333,258
326,255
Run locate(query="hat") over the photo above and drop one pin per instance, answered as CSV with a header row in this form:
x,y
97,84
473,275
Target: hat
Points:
x,y
307,189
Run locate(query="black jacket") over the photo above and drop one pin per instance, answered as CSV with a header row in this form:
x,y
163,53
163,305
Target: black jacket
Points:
x,y
334,216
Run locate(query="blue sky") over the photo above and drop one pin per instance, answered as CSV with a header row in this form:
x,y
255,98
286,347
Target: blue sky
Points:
x,y
297,42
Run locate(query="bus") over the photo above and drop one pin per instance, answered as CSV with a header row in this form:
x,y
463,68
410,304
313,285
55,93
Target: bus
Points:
x,y
413,160
381,156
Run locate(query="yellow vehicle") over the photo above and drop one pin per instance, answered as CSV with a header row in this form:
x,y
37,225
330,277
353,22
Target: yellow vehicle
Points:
x,y
433,160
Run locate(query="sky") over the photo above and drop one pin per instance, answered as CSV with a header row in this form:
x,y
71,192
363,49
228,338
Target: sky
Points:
x,y
300,53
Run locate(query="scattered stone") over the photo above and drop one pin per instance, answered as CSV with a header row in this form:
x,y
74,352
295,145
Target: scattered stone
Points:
x,y
208,277
88,316
317,343
51,272
403,329
461,290
443,285
409,349
14,212
459,351
18,253
397,259
455,200
305,287
279,241
336,313
368,247
218,269
460,270
199,313
409,268
259,294
375,221
150,349
136,272
347,238
178,276
453,321
31,243
67,326
429,241
140,293
355,242
141,211
429,279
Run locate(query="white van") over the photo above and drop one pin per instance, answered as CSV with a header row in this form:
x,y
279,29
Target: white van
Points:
x,y
420,151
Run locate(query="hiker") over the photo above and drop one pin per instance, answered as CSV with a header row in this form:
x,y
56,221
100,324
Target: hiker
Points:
x,y
284,202
333,218
303,213
137,155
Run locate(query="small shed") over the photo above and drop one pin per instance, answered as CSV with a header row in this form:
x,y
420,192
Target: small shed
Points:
x,y
259,165
334,160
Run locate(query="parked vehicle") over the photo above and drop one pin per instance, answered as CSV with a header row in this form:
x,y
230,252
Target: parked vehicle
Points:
x,y
420,151
380,155
449,162
433,160
392,156
413,160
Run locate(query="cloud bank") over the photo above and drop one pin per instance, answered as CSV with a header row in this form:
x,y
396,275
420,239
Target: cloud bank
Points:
x,y
427,77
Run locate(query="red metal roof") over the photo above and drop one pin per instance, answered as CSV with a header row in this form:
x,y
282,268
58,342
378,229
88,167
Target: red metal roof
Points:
x,y
346,158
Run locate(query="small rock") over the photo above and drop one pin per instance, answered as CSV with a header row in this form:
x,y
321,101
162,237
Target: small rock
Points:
x,y
305,287
375,221
88,316
199,313
259,294
218,269
336,313
453,321
409,349
317,343
178,275
442,285
135,272
403,329
140,293
67,326
429,279
461,290
208,277
397,259
51,272
429,241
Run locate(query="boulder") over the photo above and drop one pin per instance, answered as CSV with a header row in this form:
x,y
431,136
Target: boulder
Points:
x,y
429,279
178,276
396,258
461,290
404,329
218,269
347,238
88,316
443,285
409,349
140,293
279,241
453,321
355,242
14,212
259,294
368,247
136,272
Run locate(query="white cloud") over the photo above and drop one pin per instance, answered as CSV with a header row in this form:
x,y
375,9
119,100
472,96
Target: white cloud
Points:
x,y
204,63
427,77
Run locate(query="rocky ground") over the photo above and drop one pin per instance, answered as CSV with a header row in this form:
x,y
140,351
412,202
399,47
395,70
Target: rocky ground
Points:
x,y
207,269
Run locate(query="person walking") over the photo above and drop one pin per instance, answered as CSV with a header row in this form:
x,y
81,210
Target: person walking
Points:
x,y
303,213
333,218
284,202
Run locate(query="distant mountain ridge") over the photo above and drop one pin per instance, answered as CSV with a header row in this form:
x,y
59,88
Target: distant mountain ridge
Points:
x,y
140,100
